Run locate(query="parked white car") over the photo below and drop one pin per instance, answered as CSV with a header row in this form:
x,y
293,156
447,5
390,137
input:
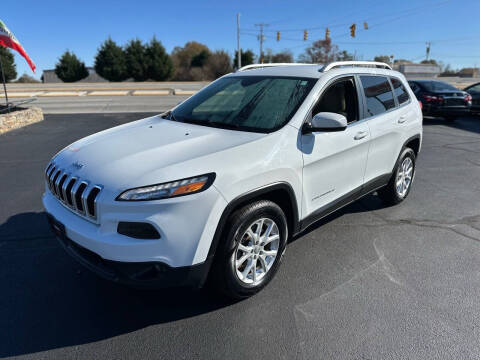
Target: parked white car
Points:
x,y
214,188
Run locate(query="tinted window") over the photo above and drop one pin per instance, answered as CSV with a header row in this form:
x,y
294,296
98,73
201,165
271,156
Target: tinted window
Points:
x,y
399,91
251,103
438,86
339,98
378,93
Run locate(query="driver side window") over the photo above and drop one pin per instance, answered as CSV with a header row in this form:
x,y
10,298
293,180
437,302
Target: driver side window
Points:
x,y
340,98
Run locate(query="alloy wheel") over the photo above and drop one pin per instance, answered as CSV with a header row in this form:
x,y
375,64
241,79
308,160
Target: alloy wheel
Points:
x,y
257,250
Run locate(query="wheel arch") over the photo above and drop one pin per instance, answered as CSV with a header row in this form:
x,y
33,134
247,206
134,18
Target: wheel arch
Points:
x,y
280,193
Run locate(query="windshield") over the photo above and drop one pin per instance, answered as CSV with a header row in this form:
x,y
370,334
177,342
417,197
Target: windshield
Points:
x,y
248,103
438,86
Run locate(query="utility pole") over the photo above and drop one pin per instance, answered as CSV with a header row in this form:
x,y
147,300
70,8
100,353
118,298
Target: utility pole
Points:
x,y
428,50
261,38
239,50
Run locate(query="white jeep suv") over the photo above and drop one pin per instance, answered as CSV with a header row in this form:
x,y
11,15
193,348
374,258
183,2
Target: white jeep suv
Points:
x,y
214,188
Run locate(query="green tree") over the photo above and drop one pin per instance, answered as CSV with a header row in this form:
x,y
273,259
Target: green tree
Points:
x,y
159,64
343,56
69,68
189,60
136,60
110,62
200,59
8,62
247,57
218,64
430,62
284,56
320,52
382,58
25,79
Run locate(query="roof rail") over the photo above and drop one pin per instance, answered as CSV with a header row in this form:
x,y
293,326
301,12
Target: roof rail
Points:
x,y
259,66
374,64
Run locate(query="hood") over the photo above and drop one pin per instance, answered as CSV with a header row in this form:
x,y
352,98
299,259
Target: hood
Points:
x,y
121,156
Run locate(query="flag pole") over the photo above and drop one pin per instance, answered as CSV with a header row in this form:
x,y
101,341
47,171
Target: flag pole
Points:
x,y
4,85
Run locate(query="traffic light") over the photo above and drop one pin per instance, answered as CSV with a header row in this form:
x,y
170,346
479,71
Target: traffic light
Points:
x,y
305,35
352,30
365,25
327,34
278,35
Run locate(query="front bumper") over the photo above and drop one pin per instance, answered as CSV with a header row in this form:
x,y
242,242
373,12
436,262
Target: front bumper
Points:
x,y
151,275
186,226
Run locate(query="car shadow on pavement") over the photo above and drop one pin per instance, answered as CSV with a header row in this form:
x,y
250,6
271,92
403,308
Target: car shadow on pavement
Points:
x,y
471,123
49,301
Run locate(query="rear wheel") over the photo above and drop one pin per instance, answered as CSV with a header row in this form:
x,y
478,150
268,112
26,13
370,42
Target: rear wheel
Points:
x,y
400,183
252,250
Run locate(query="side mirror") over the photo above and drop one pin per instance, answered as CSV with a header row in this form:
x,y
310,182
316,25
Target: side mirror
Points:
x,y
325,122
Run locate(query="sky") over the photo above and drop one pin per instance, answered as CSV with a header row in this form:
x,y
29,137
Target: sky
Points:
x,y
400,28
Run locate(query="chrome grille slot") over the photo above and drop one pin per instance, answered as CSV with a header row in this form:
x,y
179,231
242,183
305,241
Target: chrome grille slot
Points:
x,y
50,176
91,201
60,186
76,194
54,181
79,197
68,191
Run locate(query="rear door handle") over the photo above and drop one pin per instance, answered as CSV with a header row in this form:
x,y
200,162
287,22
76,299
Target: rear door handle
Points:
x,y
360,135
402,119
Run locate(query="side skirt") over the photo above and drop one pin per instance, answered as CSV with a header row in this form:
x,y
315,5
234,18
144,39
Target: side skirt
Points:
x,y
346,199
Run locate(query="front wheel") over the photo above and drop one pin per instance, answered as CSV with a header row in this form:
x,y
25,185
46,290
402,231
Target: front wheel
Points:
x,y
252,249
400,183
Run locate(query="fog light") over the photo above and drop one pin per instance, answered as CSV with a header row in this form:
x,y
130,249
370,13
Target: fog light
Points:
x,y
138,230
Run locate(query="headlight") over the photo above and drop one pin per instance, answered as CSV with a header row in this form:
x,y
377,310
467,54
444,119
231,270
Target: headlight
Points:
x,y
169,190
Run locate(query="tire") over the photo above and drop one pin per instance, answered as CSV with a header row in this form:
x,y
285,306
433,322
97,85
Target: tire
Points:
x,y
450,118
228,268
392,194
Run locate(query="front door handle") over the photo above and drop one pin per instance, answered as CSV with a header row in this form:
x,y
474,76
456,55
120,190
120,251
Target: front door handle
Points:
x,y
402,119
360,135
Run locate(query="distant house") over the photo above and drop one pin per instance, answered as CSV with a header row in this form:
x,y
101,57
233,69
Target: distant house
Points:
x,y
418,70
49,76
469,73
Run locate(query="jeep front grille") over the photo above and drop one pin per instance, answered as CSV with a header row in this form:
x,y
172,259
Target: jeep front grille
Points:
x,y
78,195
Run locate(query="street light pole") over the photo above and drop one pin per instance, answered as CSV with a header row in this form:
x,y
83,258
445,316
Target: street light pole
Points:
x,y
239,50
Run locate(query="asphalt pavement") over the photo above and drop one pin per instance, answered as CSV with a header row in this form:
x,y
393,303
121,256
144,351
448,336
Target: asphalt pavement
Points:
x,y
368,282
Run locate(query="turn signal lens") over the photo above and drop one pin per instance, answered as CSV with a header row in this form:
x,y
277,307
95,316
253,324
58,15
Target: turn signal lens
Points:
x,y
168,190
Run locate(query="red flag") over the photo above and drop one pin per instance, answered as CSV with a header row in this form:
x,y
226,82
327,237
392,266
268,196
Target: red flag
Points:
x,y
9,40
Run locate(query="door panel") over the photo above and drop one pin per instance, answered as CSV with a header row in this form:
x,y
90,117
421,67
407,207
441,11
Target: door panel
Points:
x,y
334,165
385,120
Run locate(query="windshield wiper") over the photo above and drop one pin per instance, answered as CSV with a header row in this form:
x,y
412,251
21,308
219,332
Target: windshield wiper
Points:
x,y
211,123
169,115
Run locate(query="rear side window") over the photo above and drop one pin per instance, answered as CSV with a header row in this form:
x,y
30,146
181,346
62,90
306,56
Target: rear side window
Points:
x,y
400,91
378,93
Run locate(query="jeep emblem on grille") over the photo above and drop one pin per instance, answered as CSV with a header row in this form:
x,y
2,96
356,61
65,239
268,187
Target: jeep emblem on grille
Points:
x,y
77,165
